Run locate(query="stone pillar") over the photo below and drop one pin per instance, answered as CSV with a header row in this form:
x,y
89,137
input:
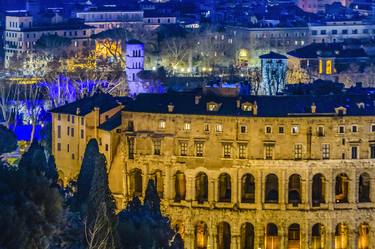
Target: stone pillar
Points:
x,y
283,189
189,187
239,188
211,190
305,191
258,236
372,188
259,190
352,183
330,180
304,235
214,237
216,185
167,184
330,236
352,236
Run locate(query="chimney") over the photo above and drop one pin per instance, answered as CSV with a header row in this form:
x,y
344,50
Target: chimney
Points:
x,y
78,111
197,99
170,107
313,108
238,103
255,109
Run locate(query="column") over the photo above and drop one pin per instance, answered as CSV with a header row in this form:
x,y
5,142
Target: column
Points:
x,y
353,183
305,185
239,188
330,190
234,188
189,187
330,236
352,236
234,243
211,190
259,190
283,189
258,236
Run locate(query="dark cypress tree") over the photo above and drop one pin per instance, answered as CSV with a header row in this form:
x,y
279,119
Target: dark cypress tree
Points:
x,y
86,174
152,200
34,159
101,216
51,172
8,140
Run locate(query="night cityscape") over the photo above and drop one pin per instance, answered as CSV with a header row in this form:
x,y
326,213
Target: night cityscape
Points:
x,y
187,124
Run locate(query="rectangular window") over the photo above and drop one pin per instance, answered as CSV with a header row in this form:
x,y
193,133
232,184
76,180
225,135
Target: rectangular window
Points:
x,y
73,156
354,152
295,129
219,128
162,124
206,127
320,131
325,151
243,129
131,148
68,131
58,131
187,126
227,150
298,151
82,134
183,148
268,129
281,130
58,146
372,129
341,129
68,118
82,121
72,119
67,147
372,151
242,151
157,147
106,147
354,128
268,151
199,149
72,132
59,116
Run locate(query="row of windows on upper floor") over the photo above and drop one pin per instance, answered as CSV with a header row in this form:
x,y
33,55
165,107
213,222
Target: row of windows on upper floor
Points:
x,y
268,129
123,16
21,25
343,32
229,149
37,35
71,118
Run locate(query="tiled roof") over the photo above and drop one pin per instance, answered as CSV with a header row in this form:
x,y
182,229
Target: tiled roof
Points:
x,y
333,50
267,106
104,101
111,123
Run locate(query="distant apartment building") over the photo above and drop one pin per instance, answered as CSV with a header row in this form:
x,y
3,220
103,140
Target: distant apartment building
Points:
x,y
314,6
110,17
21,35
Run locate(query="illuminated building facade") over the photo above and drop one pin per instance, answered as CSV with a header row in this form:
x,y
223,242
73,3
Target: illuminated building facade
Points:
x,y
269,172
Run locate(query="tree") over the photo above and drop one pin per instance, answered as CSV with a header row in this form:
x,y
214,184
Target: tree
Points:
x,y
86,175
9,95
101,220
8,140
255,78
144,226
296,75
35,159
31,211
275,76
52,44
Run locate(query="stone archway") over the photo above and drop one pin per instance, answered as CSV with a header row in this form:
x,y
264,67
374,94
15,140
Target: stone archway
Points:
x,y
223,236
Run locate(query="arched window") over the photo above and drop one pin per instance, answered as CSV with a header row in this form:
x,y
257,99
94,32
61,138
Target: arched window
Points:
x,y
272,240
136,182
341,188
294,192
201,187
364,188
341,236
247,236
180,186
294,237
318,236
201,235
363,238
225,188
157,176
318,189
272,189
248,189
223,236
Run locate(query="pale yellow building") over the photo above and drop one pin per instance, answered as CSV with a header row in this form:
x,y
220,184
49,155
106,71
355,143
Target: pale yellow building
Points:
x,y
269,172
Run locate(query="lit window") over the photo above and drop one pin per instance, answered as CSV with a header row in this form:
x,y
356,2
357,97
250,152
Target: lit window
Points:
x,y
58,146
268,151
183,148
227,150
59,131
162,124
295,129
268,129
157,147
354,128
199,149
243,129
187,126
106,147
328,67
298,151
211,107
341,129
219,128
325,151
246,107
242,151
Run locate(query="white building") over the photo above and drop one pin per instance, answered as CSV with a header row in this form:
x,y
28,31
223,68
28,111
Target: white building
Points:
x,y
134,64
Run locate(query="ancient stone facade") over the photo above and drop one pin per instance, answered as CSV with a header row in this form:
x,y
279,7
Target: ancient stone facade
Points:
x,y
302,181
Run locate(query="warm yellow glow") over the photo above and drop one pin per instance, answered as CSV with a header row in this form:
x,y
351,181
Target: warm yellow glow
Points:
x,y
108,48
328,67
320,66
243,53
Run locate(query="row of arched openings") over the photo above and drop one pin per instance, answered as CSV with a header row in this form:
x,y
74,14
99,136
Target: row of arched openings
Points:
x,y
272,238
271,189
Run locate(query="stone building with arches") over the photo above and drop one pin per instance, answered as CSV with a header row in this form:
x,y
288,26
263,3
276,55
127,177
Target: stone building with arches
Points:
x,y
256,172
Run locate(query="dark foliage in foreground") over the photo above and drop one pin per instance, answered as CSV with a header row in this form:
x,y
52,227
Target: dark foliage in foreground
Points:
x,y
8,141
